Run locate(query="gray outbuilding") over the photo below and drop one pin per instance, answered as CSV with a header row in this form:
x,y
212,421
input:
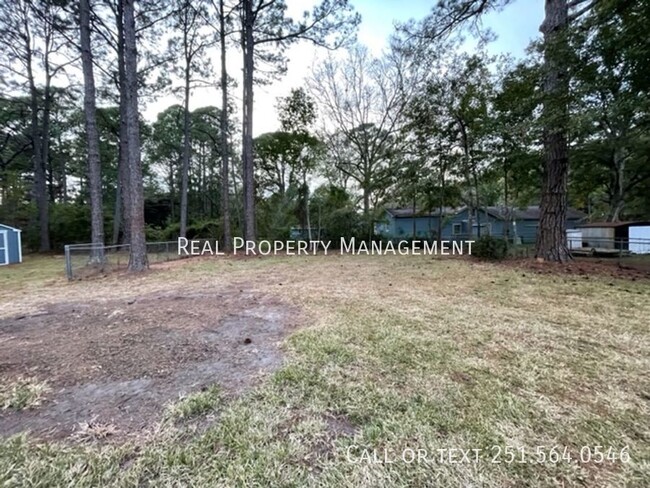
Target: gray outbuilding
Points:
x,y
10,245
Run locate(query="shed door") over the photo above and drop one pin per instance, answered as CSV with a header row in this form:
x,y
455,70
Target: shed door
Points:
x,y
4,252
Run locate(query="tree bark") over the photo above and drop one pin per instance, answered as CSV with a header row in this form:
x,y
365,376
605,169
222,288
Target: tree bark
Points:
x,y
617,198
45,144
225,186
441,204
551,237
186,126
40,185
92,135
138,258
123,163
117,211
247,125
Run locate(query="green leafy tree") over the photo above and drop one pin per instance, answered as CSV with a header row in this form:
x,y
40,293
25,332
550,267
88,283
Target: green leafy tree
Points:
x,y
266,33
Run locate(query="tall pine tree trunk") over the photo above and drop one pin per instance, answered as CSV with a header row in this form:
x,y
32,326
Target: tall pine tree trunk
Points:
x,y
551,237
92,135
40,184
138,257
247,126
117,211
186,142
225,186
123,150
185,167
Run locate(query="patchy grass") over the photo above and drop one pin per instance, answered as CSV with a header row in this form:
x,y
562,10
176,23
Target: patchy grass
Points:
x,y
404,356
22,393
194,404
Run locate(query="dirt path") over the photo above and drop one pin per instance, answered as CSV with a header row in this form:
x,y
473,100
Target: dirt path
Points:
x,y
119,362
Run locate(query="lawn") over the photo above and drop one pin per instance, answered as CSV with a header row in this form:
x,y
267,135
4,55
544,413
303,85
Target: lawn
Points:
x,y
397,371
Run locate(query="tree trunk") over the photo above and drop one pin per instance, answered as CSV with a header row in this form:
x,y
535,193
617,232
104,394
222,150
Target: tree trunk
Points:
x,y
414,230
307,215
551,237
45,147
247,127
225,187
117,212
186,130
40,188
138,257
617,199
123,163
478,202
441,204
92,135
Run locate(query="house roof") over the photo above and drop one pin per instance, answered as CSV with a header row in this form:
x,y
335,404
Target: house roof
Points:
x,y
531,212
499,212
410,212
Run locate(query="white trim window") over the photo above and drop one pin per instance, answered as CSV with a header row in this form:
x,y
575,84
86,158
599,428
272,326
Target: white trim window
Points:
x,y
456,228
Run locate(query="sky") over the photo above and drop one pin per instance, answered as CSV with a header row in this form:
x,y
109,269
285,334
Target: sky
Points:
x,y
515,26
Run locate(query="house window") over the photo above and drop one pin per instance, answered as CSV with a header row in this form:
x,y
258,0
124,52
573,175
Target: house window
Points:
x,y
456,229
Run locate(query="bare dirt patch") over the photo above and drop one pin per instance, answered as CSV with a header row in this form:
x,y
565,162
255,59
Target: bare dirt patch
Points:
x,y
119,362
629,269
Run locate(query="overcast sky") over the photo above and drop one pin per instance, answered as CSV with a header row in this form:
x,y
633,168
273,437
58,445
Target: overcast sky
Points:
x,y
515,27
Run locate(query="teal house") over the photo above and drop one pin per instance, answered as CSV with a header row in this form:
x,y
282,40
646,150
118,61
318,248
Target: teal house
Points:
x,y
516,224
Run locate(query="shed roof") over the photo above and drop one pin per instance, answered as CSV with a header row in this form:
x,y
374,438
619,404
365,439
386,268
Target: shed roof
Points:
x,y
9,227
631,223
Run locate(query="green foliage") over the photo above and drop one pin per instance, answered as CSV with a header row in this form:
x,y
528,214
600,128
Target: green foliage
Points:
x,y
155,234
490,248
207,229
277,214
334,209
297,111
203,229
610,119
69,224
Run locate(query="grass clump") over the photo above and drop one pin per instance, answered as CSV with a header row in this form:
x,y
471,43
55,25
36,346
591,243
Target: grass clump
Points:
x,y
194,404
22,394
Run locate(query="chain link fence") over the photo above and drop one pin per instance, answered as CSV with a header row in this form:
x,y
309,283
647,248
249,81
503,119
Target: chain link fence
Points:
x,y
86,260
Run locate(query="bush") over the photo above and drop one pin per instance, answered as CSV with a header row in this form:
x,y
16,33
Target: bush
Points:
x,y
488,247
154,234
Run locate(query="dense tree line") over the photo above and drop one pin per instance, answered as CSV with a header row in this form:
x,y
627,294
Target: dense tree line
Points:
x,y
424,124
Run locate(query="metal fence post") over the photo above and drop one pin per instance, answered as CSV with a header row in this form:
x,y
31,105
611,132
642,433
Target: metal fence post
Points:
x,y
68,263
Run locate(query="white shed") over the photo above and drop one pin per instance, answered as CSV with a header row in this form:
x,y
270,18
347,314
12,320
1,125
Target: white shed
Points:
x,y
639,239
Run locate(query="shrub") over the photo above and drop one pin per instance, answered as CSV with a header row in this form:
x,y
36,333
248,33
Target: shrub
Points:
x,y
488,247
154,234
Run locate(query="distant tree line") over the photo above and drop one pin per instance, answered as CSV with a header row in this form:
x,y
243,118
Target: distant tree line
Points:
x,y
424,124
